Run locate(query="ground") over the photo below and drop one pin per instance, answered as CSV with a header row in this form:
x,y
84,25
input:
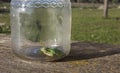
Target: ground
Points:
x,y
85,57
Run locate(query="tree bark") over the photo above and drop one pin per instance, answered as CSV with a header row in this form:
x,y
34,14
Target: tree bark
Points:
x,y
78,1
105,8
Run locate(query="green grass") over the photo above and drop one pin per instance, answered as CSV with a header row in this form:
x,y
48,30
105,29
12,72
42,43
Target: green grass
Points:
x,y
5,18
90,26
5,4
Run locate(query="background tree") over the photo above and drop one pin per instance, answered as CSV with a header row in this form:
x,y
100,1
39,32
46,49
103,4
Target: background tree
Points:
x,y
105,8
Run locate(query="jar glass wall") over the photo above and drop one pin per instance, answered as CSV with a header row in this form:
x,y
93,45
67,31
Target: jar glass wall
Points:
x,y
41,29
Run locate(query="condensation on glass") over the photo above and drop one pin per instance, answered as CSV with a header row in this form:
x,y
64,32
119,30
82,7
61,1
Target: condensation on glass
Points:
x,y
41,29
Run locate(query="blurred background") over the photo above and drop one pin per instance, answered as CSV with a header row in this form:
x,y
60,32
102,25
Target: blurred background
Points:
x,y
92,20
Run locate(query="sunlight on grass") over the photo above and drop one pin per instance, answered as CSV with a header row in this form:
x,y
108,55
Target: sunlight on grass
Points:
x,y
90,26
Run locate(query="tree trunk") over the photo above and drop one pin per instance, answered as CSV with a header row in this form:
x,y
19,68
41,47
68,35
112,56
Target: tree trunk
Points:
x,y
77,1
105,8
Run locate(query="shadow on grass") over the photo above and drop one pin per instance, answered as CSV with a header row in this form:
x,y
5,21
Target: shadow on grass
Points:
x,y
81,51
2,11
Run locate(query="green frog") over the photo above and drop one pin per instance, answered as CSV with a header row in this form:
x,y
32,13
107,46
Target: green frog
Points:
x,y
52,52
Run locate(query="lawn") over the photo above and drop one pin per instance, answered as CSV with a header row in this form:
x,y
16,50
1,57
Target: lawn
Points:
x,y
4,18
88,25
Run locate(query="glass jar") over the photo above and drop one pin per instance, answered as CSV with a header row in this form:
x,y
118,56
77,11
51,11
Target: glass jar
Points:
x,y
41,29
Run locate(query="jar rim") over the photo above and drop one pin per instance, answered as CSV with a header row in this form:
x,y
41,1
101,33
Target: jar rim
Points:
x,y
39,3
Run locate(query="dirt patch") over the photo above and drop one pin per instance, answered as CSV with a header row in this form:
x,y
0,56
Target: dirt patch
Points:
x,y
84,58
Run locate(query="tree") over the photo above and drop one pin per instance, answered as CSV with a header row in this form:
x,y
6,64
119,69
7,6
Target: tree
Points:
x,y
105,8
77,1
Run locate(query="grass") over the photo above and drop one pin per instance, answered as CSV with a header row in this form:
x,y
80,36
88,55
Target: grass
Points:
x,y
4,18
90,26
